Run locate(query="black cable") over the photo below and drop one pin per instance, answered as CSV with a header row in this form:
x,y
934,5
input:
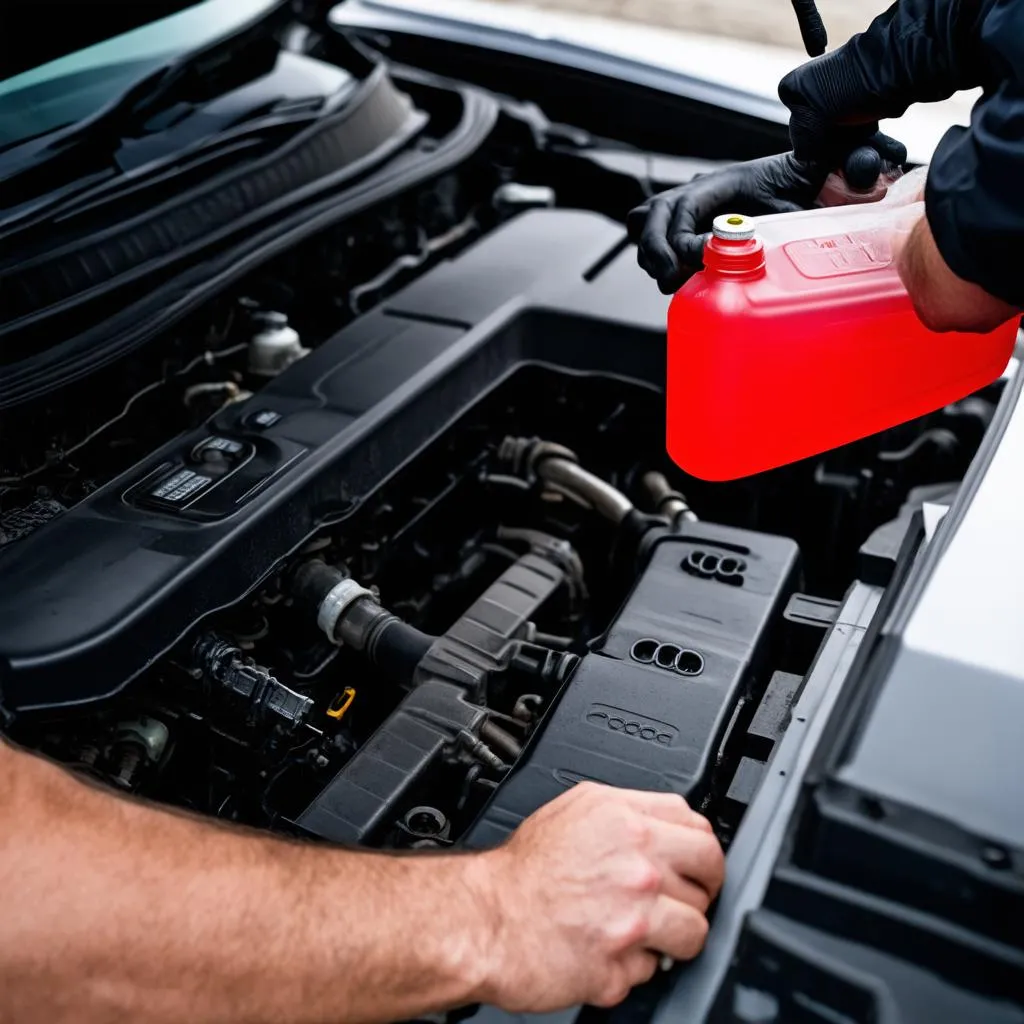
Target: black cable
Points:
x,y
812,28
205,357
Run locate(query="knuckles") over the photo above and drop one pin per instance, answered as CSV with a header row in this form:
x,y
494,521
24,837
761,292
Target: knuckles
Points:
x,y
635,831
641,876
624,931
702,823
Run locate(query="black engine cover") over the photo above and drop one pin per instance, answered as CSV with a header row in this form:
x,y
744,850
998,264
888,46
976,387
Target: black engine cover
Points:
x,y
649,707
92,599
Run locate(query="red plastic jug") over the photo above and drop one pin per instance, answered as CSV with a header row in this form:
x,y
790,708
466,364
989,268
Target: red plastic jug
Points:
x,y
798,336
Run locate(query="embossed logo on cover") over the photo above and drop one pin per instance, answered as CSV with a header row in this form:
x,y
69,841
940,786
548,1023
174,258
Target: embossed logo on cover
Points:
x,y
629,723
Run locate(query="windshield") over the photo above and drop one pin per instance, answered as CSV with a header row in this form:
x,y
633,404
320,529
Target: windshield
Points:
x,y
71,88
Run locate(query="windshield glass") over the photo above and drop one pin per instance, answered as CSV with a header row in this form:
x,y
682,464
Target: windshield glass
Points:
x,y
74,87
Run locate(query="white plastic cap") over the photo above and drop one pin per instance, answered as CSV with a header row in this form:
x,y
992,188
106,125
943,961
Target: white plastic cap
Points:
x,y
733,226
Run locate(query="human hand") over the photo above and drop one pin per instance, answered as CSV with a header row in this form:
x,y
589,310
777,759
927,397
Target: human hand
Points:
x,y
902,210
839,189
671,229
907,190
917,51
590,891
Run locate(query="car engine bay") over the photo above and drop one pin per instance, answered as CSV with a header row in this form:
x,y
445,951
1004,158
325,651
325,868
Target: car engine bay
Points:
x,y
380,545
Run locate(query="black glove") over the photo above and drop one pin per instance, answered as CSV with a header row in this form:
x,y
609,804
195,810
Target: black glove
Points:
x,y
918,51
671,228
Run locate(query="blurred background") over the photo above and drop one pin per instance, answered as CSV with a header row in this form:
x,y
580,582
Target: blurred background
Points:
x,y
743,44
756,21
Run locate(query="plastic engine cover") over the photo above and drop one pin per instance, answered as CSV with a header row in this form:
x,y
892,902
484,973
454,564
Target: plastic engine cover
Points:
x,y
649,706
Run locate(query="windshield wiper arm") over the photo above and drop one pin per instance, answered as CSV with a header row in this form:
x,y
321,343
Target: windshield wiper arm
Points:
x,y
256,40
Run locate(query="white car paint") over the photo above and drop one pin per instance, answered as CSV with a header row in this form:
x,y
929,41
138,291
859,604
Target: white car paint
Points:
x,y
751,67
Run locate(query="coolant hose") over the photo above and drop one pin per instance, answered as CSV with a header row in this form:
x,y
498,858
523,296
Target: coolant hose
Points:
x,y
398,648
558,468
313,581
496,737
667,502
350,614
573,479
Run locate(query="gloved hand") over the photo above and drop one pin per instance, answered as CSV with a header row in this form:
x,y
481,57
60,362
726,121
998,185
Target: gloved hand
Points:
x,y
671,228
918,51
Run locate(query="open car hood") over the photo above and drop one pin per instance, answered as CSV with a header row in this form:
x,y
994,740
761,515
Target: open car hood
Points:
x,y
733,73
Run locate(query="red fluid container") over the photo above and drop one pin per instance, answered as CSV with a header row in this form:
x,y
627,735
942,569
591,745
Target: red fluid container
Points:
x,y
798,337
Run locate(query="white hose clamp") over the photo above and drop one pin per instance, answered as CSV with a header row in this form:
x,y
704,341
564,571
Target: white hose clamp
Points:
x,y
339,598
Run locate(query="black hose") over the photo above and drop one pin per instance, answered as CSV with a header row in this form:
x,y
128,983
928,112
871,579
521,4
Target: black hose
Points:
x,y
313,581
393,646
496,737
397,649
812,28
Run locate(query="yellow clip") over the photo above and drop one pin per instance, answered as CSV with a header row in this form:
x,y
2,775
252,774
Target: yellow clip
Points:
x,y
341,704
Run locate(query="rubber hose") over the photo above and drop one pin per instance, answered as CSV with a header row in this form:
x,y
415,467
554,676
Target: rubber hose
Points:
x,y
812,28
314,580
398,648
604,499
496,737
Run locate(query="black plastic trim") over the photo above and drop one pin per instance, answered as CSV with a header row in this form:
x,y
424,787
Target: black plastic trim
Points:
x,y
140,322
362,404
374,124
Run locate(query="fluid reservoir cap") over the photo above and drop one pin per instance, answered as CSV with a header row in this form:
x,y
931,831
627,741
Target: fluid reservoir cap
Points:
x,y
275,345
733,227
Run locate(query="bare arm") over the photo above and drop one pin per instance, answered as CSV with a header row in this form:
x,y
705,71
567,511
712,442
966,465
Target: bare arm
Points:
x,y
945,302
117,910
114,909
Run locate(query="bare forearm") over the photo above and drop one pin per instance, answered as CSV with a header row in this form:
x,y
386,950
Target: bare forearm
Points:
x,y
115,910
945,302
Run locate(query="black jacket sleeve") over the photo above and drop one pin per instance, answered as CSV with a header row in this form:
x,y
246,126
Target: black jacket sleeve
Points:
x,y
920,51
974,197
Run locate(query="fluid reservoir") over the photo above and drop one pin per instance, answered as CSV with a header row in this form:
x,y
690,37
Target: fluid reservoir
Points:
x,y
798,336
275,345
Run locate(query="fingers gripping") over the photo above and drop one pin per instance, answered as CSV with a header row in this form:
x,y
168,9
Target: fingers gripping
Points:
x,y
677,929
655,254
693,854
